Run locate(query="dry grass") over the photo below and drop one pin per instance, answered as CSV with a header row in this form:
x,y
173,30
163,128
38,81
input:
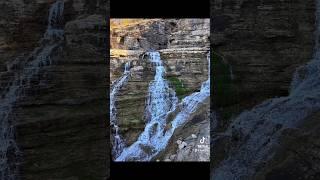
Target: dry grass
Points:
x,y
125,23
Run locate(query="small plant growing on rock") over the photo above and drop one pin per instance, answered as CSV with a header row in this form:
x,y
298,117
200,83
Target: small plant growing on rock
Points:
x,y
177,84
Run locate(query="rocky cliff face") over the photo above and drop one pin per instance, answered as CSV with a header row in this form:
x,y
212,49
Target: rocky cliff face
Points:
x,y
183,46
59,116
298,157
191,141
258,46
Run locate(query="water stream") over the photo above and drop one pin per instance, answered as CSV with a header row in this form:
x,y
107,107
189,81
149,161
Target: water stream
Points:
x,y
24,69
117,142
160,102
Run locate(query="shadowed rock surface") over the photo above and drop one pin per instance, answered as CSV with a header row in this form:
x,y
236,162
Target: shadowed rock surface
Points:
x,y
60,119
267,61
258,45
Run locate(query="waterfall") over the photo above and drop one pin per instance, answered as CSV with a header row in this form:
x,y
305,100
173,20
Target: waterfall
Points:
x,y
161,98
305,72
263,125
127,67
191,102
162,101
117,142
55,20
24,70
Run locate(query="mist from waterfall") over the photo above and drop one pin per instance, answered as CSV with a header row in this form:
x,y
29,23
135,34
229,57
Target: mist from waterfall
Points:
x,y
160,102
117,142
24,70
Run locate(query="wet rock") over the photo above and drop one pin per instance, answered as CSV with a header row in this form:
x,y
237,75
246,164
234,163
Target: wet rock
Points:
x,y
189,147
183,46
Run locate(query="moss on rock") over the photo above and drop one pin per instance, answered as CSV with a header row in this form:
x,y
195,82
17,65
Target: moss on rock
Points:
x,y
224,90
181,90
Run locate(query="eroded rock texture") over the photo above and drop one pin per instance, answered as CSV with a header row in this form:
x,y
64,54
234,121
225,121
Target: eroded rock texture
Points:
x,y
60,116
183,45
258,46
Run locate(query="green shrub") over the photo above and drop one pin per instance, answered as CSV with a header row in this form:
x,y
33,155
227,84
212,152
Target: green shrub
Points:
x,y
177,84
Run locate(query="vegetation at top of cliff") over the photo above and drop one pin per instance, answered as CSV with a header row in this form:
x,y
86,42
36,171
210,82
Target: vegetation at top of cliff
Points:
x,y
124,23
177,84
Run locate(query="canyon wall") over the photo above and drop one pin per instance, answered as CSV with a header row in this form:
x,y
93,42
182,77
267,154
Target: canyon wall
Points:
x,y
266,127
183,45
60,119
257,46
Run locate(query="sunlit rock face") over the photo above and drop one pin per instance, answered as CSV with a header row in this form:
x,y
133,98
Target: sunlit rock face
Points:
x,y
52,67
182,45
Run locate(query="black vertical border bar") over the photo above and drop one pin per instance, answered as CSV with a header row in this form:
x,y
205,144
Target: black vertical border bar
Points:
x,y
107,59
157,9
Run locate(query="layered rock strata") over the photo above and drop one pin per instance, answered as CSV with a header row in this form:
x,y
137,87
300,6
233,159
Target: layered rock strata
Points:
x,y
60,118
183,46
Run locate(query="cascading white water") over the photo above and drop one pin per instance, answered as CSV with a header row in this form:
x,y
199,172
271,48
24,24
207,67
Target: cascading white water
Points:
x,y
117,142
127,67
263,125
161,98
161,102
191,102
24,70
55,20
